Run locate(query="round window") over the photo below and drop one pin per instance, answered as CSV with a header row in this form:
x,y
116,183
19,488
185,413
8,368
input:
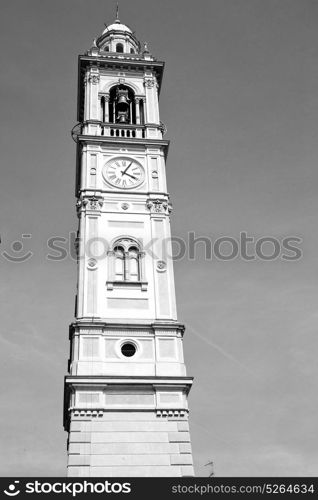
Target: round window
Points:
x,y
128,349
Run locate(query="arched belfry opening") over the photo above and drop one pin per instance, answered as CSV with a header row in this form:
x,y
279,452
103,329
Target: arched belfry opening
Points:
x,y
123,107
122,103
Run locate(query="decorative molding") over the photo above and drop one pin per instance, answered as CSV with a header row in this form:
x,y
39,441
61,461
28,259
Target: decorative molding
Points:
x,y
100,413
149,82
163,128
159,326
126,332
159,206
161,266
126,242
105,95
94,203
93,78
171,413
176,382
91,203
142,285
87,413
92,264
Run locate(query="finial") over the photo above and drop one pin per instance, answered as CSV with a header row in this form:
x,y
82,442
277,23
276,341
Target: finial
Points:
x,y
117,13
146,50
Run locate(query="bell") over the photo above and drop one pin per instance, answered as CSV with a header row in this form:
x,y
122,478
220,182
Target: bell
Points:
x,y
122,117
122,99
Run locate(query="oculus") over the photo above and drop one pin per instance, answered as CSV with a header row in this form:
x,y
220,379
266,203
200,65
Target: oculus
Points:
x,y
128,349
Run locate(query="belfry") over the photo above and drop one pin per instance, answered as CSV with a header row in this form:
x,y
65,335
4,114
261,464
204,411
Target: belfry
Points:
x,y
126,409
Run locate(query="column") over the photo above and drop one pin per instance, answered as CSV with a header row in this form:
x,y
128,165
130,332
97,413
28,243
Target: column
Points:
x,y
137,111
144,107
131,114
101,107
106,108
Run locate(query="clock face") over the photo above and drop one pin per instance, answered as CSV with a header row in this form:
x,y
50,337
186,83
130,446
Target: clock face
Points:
x,y
124,173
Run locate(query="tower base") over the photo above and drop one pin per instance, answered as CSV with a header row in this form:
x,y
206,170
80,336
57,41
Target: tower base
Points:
x,y
123,438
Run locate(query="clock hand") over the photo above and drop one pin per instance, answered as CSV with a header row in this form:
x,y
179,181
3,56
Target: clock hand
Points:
x,y
123,172
132,176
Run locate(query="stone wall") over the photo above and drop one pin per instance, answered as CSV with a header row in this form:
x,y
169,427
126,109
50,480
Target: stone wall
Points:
x,y
127,444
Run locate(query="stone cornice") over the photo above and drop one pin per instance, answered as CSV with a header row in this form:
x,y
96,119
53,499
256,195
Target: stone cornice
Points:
x,y
106,61
104,380
127,324
99,139
103,326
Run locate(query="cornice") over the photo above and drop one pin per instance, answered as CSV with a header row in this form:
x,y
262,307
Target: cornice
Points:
x,y
125,324
119,326
128,61
100,139
104,380
116,63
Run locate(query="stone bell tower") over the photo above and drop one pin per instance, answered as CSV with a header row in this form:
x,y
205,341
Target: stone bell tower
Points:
x,y
126,408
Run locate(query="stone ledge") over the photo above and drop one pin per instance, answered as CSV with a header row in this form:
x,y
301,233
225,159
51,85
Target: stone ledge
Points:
x,y
100,413
181,459
179,437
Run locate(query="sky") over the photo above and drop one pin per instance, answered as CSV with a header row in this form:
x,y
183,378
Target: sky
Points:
x,y
240,101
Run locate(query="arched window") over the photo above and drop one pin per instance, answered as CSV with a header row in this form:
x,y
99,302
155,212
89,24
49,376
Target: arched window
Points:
x,y
127,257
119,47
119,263
126,264
132,51
107,48
133,263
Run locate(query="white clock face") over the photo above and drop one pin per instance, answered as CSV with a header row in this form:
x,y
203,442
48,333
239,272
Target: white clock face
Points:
x,y
124,173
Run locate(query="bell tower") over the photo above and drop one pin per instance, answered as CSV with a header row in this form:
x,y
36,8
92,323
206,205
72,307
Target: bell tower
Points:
x,y
126,409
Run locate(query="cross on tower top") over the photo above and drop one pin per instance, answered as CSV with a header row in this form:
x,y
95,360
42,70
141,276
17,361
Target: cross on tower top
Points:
x,y
117,13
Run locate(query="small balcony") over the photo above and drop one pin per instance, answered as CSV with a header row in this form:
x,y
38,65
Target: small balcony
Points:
x,y
127,131
119,130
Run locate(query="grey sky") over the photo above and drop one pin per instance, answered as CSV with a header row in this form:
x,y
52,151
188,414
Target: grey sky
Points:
x,y
240,101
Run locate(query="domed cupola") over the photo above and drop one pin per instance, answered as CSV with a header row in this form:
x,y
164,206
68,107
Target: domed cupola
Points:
x,y
118,38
